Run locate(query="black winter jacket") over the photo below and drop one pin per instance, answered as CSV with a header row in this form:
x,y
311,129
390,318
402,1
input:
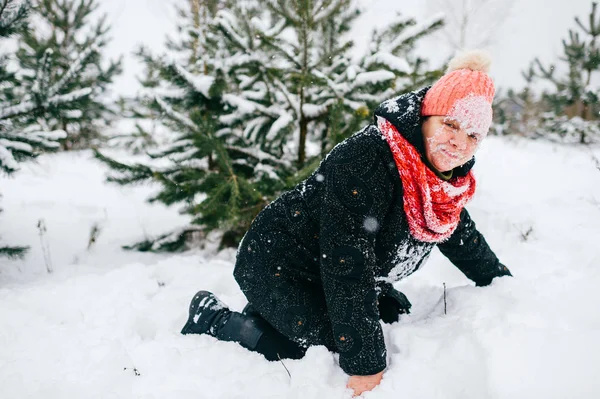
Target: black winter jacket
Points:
x,y
314,260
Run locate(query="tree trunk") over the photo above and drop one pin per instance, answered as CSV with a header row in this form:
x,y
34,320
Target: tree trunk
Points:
x,y
584,114
195,8
302,142
303,119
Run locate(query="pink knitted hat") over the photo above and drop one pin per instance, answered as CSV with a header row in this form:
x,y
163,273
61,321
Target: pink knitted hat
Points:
x,y
465,92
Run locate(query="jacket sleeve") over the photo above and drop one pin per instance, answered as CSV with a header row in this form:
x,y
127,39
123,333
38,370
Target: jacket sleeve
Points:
x,y
467,249
356,198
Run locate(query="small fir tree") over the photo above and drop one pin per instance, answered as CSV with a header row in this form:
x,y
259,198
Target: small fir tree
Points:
x,y
207,169
271,87
573,105
306,87
66,28
518,112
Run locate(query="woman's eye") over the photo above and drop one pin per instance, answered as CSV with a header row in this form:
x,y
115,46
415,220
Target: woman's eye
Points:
x,y
474,137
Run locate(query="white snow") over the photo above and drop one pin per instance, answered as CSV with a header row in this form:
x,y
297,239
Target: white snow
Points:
x,y
200,83
284,120
373,77
473,113
390,61
81,331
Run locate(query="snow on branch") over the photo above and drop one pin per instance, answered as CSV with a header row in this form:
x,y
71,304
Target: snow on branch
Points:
x,y
39,138
283,8
69,97
16,145
226,21
325,12
373,77
75,68
7,160
242,60
414,31
253,127
291,99
389,60
25,143
266,31
176,116
47,139
353,104
282,122
185,155
21,108
43,73
245,106
29,105
259,155
166,149
200,83
335,88
313,111
10,15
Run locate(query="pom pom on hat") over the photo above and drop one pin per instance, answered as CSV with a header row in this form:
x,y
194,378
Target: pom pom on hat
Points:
x,y
466,80
475,60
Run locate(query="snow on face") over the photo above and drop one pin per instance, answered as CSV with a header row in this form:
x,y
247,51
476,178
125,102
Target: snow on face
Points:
x,y
473,113
451,140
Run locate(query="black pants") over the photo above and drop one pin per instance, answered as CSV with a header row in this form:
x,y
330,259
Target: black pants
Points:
x,y
272,344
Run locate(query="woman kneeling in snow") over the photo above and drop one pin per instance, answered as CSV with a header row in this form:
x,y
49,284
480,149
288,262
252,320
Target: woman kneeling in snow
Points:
x,y
317,263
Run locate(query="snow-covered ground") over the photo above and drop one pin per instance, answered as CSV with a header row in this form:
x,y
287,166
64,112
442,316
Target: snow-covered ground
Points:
x,y
81,331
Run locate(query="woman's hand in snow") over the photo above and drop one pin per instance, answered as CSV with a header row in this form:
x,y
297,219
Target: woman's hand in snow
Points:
x,y
364,383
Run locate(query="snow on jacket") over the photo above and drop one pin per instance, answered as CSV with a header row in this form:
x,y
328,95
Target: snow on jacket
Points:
x,y
314,260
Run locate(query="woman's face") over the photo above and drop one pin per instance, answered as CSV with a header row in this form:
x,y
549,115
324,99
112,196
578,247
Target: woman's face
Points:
x,y
447,144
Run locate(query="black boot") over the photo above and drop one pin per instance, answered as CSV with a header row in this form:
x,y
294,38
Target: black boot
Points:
x,y
208,315
250,311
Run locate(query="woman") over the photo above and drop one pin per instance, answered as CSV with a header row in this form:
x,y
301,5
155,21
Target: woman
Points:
x,y
317,263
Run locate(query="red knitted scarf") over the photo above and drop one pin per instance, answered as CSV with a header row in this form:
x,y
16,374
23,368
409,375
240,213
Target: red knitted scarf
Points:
x,y
432,205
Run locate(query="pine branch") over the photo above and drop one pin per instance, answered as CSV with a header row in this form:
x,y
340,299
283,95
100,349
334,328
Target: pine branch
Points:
x,y
281,7
13,252
13,17
410,35
201,84
259,155
75,68
593,30
176,116
547,73
224,21
324,13
43,76
8,163
130,173
28,106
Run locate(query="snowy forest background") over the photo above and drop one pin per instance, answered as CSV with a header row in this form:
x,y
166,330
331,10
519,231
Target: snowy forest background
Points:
x,y
111,164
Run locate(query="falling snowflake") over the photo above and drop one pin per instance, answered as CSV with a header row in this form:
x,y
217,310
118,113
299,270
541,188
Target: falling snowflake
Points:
x,y
371,225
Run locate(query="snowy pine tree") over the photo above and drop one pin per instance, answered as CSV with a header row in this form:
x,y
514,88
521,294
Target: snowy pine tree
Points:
x,y
65,28
207,169
306,87
574,104
518,112
258,92
26,96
